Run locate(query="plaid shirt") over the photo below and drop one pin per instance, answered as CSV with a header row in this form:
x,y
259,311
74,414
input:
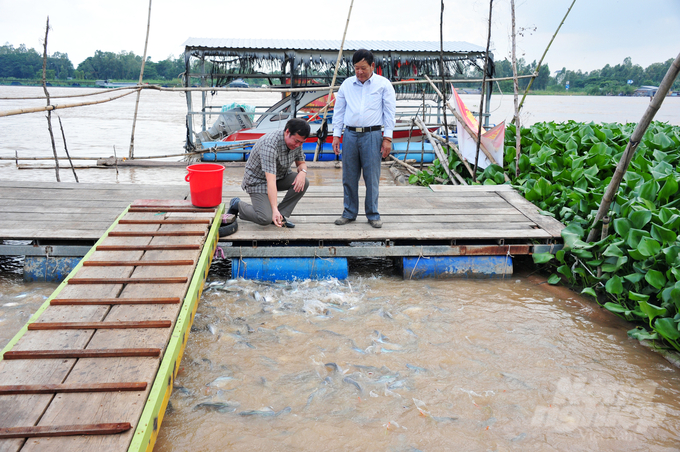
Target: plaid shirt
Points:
x,y
269,155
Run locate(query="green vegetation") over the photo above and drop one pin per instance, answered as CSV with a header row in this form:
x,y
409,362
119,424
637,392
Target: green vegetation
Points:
x,y
20,63
564,170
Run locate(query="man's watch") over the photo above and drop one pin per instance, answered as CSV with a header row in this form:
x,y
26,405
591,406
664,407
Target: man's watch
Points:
x,y
303,170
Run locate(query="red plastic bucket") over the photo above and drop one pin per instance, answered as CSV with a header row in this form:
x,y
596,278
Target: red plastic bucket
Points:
x,y
205,184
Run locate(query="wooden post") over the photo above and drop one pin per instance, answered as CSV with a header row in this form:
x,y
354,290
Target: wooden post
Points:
x,y
518,136
47,95
319,144
139,92
635,139
443,158
441,64
63,137
481,102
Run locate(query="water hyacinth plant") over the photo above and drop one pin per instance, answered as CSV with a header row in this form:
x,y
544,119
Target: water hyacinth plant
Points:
x,y
564,169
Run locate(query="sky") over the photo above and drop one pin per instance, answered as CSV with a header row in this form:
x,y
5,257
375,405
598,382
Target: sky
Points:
x,y
596,32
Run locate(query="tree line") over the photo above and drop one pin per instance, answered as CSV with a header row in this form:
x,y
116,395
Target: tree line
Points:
x,y
622,79
24,63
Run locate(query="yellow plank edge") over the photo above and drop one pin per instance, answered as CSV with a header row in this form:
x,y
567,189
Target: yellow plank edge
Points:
x,y
149,423
61,286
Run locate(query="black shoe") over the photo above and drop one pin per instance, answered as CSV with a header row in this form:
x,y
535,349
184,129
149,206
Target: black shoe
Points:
x,y
286,223
233,206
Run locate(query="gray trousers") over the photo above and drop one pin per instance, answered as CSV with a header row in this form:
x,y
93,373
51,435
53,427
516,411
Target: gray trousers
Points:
x,y
260,211
361,154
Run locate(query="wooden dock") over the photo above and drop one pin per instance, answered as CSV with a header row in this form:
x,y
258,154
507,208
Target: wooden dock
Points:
x,y
439,220
93,369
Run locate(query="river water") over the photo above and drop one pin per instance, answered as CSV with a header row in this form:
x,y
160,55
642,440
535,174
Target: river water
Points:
x,y
373,362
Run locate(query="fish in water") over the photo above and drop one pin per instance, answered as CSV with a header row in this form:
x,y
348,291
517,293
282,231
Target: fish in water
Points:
x,y
353,382
357,349
519,437
332,367
181,390
212,329
416,369
266,412
222,407
515,379
10,305
381,337
257,296
222,382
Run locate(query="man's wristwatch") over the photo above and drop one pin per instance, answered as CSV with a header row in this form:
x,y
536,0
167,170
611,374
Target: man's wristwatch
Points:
x,y
303,170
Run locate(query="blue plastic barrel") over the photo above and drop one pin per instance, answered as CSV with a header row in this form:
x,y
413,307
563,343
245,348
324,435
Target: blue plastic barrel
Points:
x,y
447,267
289,268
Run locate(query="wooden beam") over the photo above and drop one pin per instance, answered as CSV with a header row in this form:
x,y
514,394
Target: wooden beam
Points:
x,y
147,247
94,353
168,209
170,280
155,233
198,221
99,325
72,387
136,263
112,301
64,430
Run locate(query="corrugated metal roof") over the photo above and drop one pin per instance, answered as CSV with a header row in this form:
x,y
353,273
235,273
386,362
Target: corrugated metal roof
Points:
x,y
332,45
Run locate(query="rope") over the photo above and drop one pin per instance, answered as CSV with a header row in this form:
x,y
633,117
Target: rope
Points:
x,y
418,260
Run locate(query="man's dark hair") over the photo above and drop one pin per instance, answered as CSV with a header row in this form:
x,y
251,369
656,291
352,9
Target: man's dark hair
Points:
x,y
298,126
362,54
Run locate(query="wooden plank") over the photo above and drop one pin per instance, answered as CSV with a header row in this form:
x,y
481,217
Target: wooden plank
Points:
x,y
546,222
148,247
199,221
64,430
154,233
99,325
69,388
91,263
112,301
169,209
87,353
159,280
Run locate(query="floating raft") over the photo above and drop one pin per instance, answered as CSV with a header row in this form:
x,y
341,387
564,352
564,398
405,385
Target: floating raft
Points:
x,y
94,367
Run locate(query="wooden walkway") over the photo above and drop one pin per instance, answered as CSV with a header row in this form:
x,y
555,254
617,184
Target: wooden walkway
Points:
x,y
70,211
448,216
87,364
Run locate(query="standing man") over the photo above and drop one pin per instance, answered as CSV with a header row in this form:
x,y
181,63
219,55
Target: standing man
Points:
x,y
268,171
365,105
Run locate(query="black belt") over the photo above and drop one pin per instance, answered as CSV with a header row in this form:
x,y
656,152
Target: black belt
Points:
x,y
364,129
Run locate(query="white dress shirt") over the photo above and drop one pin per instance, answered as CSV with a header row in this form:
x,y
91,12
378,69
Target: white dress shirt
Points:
x,y
372,103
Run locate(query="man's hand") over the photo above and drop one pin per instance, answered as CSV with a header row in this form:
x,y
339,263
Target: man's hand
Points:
x,y
277,218
299,182
336,145
386,148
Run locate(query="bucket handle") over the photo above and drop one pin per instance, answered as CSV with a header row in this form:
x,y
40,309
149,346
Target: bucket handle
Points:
x,y
186,178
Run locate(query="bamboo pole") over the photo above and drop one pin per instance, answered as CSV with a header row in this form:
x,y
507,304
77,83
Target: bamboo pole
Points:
x,y
139,92
635,139
518,132
48,108
63,137
441,62
47,96
481,102
457,151
330,90
538,67
467,128
443,159
412,169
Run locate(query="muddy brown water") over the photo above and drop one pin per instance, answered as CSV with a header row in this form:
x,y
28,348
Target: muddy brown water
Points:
x,y
375,362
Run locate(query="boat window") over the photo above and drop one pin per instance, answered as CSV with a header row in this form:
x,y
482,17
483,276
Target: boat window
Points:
x,y
313,109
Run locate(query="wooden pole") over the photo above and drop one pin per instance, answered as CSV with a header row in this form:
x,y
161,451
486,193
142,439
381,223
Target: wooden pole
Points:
x,y
481,102
443,158
63,137
49,107
635,139
441,62
543,56
457,151
518,135
47,96
139,92
330,90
